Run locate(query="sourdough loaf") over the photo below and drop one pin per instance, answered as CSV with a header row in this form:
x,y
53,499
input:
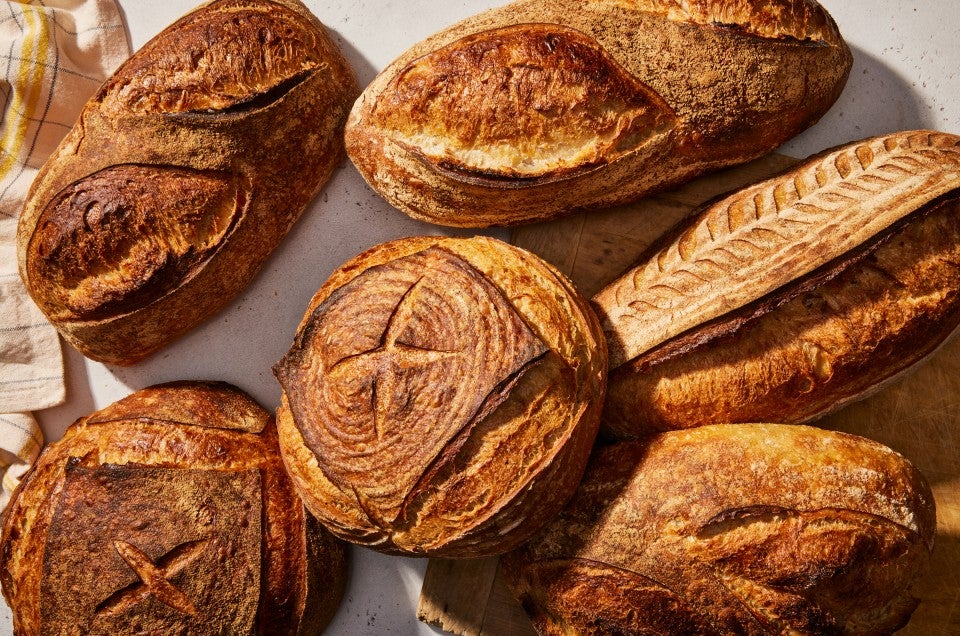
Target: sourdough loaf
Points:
x,y
167,512
733,529
537,108
182,174
792,297
441,396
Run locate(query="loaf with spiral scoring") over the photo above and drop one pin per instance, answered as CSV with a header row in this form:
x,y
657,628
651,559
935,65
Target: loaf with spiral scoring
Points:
x,y
794,296
182,174
733,529
441,396
539,108
168,512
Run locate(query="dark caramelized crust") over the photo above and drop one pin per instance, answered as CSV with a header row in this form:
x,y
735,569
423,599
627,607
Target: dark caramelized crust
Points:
x,y
793,297
183,174
373,369
535,109
112,242
440,396
148,518
747,529
211,69
180,545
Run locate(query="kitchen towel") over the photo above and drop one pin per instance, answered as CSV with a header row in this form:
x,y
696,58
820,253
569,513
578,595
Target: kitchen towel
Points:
x,y
57,53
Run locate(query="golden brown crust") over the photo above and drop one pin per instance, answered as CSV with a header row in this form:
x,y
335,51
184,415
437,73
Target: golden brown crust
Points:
x,y
203,115
793,297
537,108
186,520
421,369
748,529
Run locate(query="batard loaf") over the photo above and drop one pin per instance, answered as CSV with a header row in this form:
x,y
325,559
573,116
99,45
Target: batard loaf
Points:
x,y
441,397
733,529
182,174
167,512
794,296
538,108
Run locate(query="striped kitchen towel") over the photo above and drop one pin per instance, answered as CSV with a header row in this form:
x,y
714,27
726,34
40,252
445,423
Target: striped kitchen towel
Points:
x,y
57,53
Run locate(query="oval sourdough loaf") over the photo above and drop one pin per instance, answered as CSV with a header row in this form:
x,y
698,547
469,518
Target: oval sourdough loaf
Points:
x,y
792,297
538,108
182,174
168,512
733,529
441,396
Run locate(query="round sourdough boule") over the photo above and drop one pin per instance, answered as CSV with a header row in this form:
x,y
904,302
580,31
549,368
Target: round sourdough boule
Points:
x,y
168,512
733,529
441,397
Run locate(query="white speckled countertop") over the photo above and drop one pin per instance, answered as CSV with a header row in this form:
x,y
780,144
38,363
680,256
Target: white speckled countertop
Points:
x,y
905,76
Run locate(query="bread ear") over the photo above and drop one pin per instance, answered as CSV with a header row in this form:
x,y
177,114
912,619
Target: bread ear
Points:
x,y
792,297
180,177
441,397
536,108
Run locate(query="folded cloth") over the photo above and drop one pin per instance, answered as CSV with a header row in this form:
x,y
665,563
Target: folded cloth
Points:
x,y
57,54
22,441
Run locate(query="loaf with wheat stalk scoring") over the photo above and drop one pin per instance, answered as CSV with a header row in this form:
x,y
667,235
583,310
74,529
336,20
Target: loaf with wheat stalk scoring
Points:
x,y
441,396
168,512
794,296
541,107
755,529
182,175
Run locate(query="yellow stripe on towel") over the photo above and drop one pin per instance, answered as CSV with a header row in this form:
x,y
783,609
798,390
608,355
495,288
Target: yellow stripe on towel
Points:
x,y
29,85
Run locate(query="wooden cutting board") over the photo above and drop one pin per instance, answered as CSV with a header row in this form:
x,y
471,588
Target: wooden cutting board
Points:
x,y
919,416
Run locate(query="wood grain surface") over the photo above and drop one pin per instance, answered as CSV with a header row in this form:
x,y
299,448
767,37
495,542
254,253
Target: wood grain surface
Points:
x,y
919,416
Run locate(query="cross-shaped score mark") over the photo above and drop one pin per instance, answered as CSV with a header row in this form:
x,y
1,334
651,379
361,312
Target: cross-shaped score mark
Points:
x,y
153,578
385,364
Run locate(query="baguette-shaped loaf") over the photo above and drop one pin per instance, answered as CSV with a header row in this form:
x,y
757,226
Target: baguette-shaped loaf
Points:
x,y
792,297
538,108
182,174
441,397
733,529
168,512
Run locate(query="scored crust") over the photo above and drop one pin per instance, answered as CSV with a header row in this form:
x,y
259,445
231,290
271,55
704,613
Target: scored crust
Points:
x,y
761,529
790,298
177,180
535,109
185,517
466,356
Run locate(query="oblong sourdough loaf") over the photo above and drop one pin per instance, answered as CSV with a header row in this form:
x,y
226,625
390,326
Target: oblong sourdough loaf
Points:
x,y
441,396
167,512
182,174
733,529
538,108
794,296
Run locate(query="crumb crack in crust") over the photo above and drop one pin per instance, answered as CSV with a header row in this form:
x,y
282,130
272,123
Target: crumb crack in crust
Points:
x,y
380,355
561,106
